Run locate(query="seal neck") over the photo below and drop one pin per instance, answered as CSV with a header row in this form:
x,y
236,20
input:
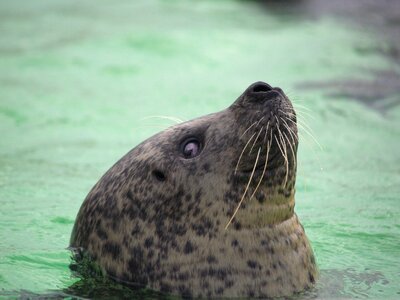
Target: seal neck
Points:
x,y
274,211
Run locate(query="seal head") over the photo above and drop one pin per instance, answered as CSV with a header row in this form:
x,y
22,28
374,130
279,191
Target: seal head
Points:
x,y
205,207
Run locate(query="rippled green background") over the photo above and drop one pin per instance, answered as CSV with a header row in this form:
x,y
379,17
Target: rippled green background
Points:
x,y
79,78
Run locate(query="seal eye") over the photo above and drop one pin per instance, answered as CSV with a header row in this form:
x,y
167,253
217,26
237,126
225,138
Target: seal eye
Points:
x,y
191,148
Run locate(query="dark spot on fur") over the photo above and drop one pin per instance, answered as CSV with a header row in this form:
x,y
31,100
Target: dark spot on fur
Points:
x,y
175,268
183,276
101,233
260,196
198,195
148,242
175,245
203,227
229,283
237,225
264,283
129,195
112,248
252,264
211,259
178,229
206,167
217,273
204,284
136,266
188,248
219,290
235,243
136,230
196,212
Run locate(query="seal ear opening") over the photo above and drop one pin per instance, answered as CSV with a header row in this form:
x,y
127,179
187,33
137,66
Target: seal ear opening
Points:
x,y
160,176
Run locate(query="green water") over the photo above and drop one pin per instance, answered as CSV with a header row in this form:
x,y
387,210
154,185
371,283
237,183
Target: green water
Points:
x,y
78,78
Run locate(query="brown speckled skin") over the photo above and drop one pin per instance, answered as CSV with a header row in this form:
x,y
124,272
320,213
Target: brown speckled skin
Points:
x,y
169,234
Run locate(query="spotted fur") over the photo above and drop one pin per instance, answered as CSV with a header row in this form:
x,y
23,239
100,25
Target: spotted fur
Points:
x,y
158,219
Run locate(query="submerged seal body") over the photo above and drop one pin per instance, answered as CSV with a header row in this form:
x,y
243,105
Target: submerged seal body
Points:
x,y
205,207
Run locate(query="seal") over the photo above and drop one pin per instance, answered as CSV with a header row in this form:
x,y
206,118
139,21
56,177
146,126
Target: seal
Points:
x,y
205,208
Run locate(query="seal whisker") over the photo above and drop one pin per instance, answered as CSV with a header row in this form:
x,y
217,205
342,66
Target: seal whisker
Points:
x,y
174,119
291,132
298,116
286,113
293,140
283,155
297,106
303,110
291,149
286,155
264,169
158,126
259,121
279,145
266,132
255,123
306,131
245,191
304,123
309,146
255,140
248,129
244,149
301,113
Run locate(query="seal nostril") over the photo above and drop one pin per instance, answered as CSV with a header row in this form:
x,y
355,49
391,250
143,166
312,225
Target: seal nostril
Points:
x,y
261,87
159,175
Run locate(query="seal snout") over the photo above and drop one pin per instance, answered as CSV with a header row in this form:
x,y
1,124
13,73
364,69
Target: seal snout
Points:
x,y
261,92
260,87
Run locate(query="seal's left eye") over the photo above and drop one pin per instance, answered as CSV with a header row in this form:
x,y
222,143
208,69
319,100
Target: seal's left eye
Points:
x,y
191,148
